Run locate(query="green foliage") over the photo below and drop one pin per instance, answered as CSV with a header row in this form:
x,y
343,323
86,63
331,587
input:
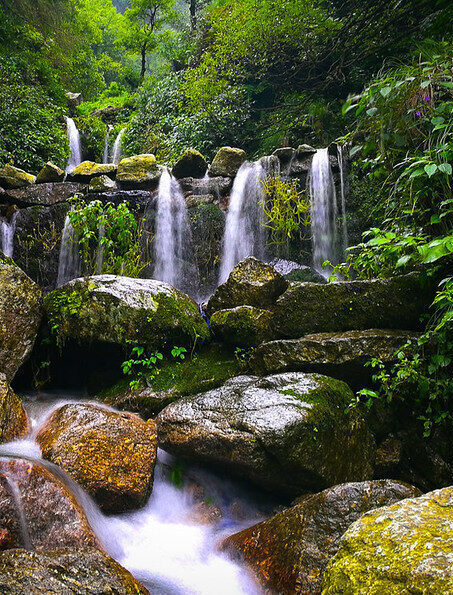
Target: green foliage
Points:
x,y
144,367
92,133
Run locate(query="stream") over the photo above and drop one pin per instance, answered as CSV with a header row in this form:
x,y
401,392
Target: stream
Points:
x,y
170,545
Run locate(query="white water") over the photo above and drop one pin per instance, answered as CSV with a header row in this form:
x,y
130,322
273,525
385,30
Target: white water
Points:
x,y
117,147
173,253
162,544
7,229
105,156
344,224
323,210
69,260
245,234
75,156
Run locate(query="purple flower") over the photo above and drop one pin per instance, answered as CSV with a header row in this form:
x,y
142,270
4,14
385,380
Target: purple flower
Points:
x,y
427,98
418,113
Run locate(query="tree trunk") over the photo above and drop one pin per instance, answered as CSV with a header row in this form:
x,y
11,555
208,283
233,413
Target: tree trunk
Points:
x,y
143,70
193,14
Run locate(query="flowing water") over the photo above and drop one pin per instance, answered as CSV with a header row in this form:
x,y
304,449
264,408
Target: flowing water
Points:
x,y
245,234
69,260
75,156
174,260
117,147
105,156
7,229
166,545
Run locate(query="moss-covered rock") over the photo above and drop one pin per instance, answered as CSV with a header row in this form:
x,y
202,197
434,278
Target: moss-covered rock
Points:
x,y
20,316
244,326
88,170
251,283
13,177
13,419
227,162
50,173
85,571
140,171
52,516
191,164
205,370
404,548
288,433
395,303
112,455
121,311
208,225
290,551
101,184
47,194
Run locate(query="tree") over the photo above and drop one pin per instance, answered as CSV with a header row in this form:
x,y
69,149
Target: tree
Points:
x,y
194,8
146,18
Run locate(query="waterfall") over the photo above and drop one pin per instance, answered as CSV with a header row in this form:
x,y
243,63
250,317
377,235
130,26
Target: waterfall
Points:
x,y
7,230
117,147
105,156
22,521
323,210
344,225
69,261
245,234
173,252
75,157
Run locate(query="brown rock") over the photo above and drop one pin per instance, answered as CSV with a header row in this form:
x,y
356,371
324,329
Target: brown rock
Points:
x,y
13,419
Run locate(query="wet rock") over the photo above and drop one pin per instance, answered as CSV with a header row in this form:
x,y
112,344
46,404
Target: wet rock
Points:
x,y
293,271
102,184
342,355
208,226
395,303
404,548
305,150
227,162
5,539
191,164
13,419
74,99
284,154
245,326
108,114
135,198
44,194
52,517
195,200
290,551
218,186
20,316
120,311
251,283
13,177
84,571
288,433
139,172
50,173
112,455
88,170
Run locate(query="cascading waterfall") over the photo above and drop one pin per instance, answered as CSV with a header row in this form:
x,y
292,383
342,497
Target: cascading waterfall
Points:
x,y
344,224
75,157
173,250
117,147
7,230
245,234
105,156
69,261
22,522
323,210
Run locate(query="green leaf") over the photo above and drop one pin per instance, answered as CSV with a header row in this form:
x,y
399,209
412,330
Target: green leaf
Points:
x,y
425,84
431,169
434,219
385,91
355,150
372,111
445,168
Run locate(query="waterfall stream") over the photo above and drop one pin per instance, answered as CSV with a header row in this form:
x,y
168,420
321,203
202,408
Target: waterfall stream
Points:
x,y
245,234
165,545
75,156
17,499
7,229
117,148
69,260
105,156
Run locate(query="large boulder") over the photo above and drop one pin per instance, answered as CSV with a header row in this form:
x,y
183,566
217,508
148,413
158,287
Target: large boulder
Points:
x,y
191,164
404,548
85,571
341,355
20,316
13,419
88,170
290,551
112,455
38,510
395,303
244,326
120,310
251,283
44,194
293,271
288,433
101,184
140,171
227,162
50,173
13,177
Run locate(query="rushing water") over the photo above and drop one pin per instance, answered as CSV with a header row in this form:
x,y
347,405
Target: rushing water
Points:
x,y
117,147
7,229
69,260
245,234
75,156
166,545
174,261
